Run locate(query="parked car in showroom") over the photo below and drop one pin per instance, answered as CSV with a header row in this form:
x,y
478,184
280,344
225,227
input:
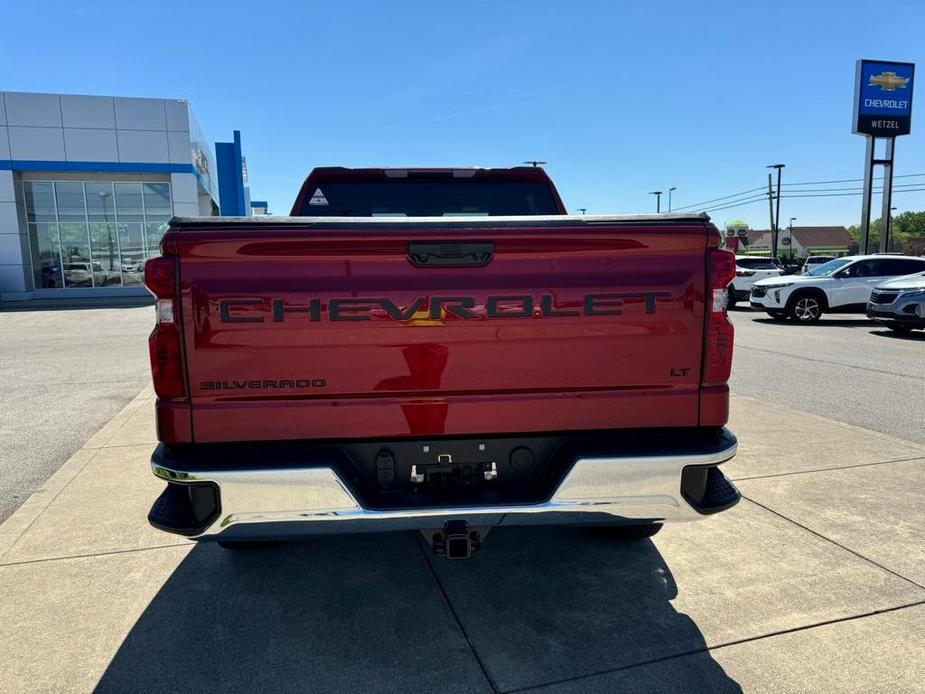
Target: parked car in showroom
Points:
x,y
750,269
78,274
814,261
842,285
132,265
899,304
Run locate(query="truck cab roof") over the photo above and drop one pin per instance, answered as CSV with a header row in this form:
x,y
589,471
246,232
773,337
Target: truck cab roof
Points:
x,y
423,191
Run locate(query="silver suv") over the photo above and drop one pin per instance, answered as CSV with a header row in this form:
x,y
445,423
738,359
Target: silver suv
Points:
x,y
899,304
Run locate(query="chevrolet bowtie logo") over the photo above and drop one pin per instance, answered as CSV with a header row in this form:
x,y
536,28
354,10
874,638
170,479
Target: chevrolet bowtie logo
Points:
x,y
888,81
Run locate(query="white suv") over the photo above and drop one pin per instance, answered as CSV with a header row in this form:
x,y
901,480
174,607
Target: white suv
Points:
x,y
750,269
842,285
814,261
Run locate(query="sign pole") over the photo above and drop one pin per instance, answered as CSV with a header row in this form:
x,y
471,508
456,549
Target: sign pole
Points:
x,y
885,216
868,193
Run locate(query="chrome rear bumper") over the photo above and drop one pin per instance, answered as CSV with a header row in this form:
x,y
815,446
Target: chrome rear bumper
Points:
x,y
303,501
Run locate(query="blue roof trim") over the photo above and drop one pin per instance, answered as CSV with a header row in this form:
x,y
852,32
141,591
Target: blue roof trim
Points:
x,y
125,167
259,203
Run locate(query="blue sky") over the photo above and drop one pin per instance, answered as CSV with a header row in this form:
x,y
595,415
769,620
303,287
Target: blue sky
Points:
x,y
620,98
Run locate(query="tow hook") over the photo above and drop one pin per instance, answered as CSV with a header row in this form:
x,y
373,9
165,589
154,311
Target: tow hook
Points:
x,y
456,541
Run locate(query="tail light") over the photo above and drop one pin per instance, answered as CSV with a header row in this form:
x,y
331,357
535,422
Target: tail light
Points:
x,y
164,342
717,362
744,273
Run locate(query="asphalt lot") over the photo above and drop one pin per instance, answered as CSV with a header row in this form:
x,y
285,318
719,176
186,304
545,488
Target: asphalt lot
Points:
x,y
844,367
65,373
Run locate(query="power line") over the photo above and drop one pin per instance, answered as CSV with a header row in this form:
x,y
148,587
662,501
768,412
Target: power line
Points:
x,y
850,180
747,197
837,195
762,198
740,203
835,190
725,197
803,183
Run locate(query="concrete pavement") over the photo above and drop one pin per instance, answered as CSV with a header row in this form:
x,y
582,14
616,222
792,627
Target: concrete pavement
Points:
x,y
814,582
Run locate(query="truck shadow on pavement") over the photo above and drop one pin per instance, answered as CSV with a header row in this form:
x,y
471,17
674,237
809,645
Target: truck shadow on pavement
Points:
x,y
559,606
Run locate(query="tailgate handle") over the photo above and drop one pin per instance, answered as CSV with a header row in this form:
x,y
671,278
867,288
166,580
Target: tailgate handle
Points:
x,y
476,254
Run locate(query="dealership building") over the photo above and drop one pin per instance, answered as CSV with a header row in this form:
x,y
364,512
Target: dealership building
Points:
x,y
87,184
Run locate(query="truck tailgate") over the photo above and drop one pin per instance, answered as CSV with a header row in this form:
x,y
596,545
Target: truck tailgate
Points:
x,y
307,329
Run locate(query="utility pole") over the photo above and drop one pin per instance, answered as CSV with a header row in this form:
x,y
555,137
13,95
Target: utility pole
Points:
x,y
669,196
536,163
775,232
792,220
771,213
581,210
658,199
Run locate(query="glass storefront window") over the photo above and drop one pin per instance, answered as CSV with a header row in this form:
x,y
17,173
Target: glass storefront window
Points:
x,y
129,207
94,233
104,249
133,253
75,254
40,201
101,205
154,232
46,258
157,200
69,196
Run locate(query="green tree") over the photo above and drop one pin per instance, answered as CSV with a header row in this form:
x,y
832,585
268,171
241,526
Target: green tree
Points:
x,y
906,226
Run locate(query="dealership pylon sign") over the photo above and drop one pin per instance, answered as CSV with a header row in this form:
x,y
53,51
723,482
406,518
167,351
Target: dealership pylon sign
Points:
x,y
883,98
882,109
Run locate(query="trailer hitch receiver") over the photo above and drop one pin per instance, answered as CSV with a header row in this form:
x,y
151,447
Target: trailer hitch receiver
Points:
x,y
457,541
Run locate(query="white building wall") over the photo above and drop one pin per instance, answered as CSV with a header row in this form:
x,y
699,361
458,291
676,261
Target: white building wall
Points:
x,y
13,243
185,192
72,132
73,128
11,266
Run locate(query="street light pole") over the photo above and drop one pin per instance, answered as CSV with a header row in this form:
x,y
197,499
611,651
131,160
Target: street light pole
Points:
x,y
890,229
658,199
775,232
669,196
790,226
581,210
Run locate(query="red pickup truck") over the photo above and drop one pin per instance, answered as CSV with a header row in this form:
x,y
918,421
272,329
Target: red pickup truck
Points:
x,y
443,350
